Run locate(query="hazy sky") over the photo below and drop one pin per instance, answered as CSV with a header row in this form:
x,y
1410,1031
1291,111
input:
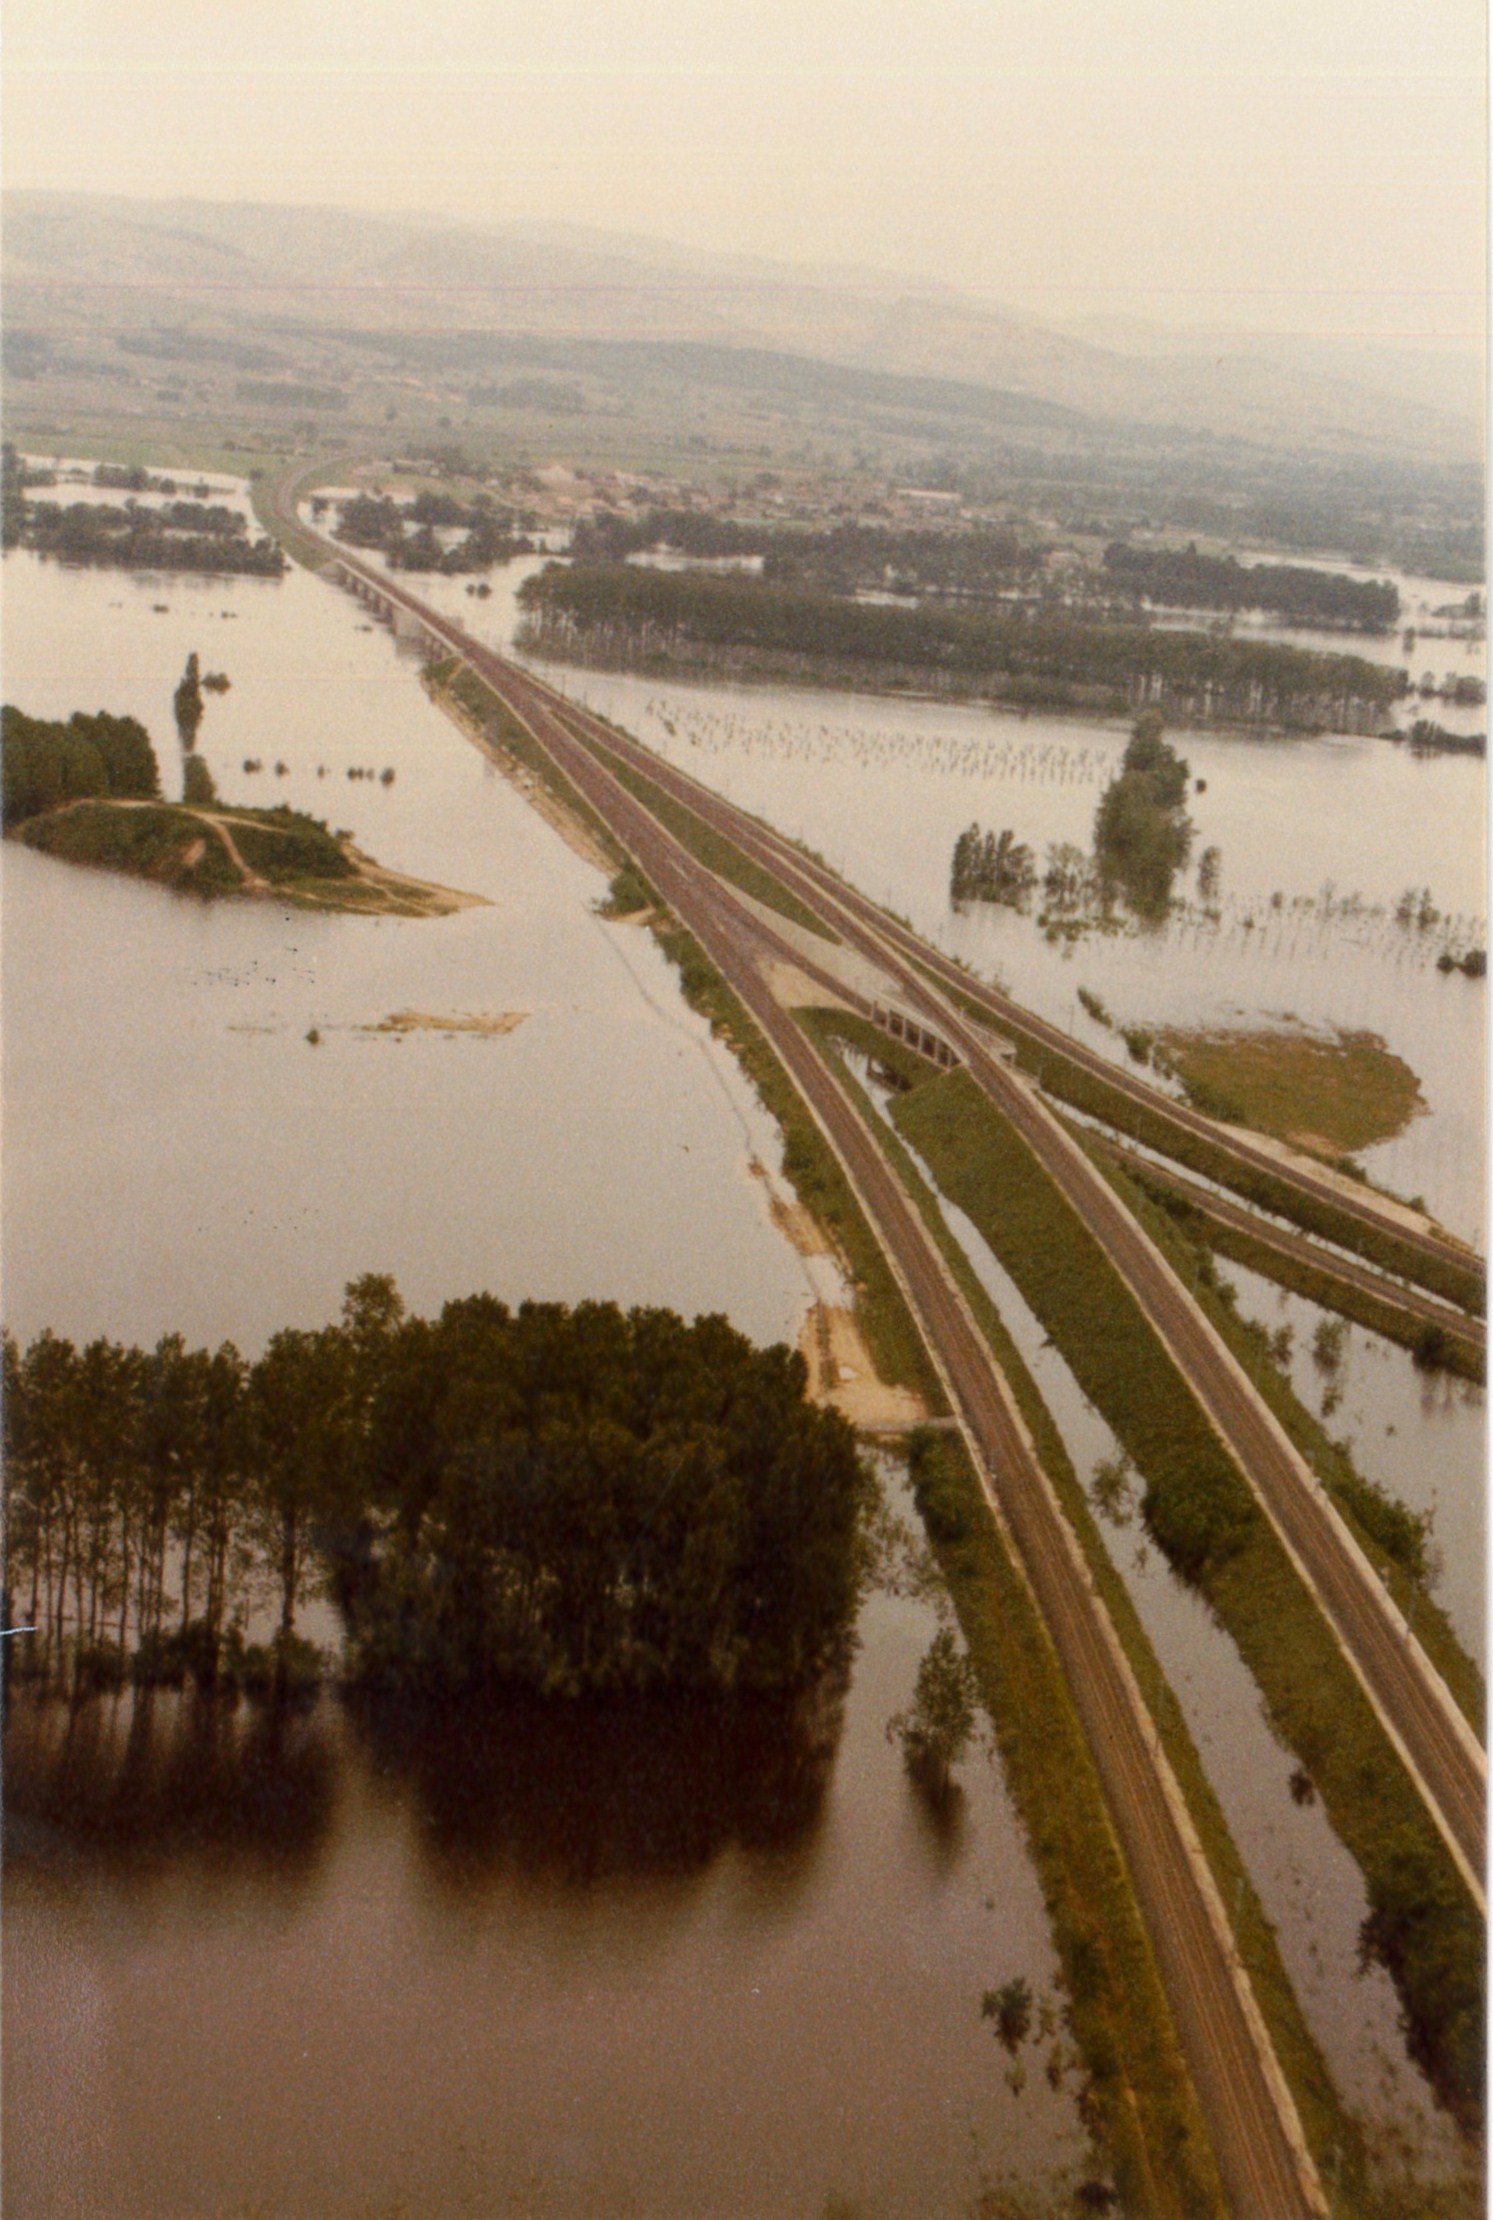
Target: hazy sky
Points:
x,y
1313,166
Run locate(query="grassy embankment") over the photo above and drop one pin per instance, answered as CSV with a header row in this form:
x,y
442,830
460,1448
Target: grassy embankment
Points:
x,y
713,849
1203,1515
1445,1347
1094,1096
504,733
1328,2127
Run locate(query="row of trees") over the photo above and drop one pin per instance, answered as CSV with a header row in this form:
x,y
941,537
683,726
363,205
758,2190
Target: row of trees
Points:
x,y
982,560
570,1500
1181,578
180,537
1142,837
623,614
45,762
380,522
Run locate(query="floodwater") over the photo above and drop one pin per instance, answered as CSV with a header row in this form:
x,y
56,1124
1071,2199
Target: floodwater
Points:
x,y
341,1964
1310,1887
181,1155
362,1962
882,788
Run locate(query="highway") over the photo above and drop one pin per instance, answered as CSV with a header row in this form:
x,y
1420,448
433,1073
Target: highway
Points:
x,y
1438,1746
1263,2162
1412,1702
1257,2137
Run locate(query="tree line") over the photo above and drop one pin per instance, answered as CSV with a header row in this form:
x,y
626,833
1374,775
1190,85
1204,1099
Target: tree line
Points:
x,y
1181,578
622,614
47,761
183,536
980,561
574,1501
379,522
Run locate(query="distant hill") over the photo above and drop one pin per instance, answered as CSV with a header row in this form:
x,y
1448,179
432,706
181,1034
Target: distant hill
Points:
x,y
86,264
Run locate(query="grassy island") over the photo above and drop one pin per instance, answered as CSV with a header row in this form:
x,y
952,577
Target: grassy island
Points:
x,y
87,790
1322,1092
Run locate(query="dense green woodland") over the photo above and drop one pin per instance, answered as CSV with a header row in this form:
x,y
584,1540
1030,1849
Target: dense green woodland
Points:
x,y
1181,578
45,762
576,1501
620,614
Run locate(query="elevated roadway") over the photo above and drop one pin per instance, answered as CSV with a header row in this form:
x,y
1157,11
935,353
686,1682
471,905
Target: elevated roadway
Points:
x,y
1266,2169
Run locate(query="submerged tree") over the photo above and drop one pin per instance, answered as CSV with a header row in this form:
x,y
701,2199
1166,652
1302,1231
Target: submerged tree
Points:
x,y
1142,833
188,703
991,867
936,1730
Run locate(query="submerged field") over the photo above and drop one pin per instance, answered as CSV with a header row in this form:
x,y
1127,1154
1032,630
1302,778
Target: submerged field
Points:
x,y
1322,1092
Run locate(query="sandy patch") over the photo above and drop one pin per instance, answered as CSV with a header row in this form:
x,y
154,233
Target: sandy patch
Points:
x,y
417,897
490,1025
842,1375
790,1217
793,989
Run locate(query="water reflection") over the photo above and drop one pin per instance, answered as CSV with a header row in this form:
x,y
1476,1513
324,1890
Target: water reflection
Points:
x,y
156,1780
570,1795
519,1788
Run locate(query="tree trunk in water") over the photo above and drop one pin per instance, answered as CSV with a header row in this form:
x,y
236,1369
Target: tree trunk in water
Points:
x,y
124,1581
288,1569
186,1563
45,1548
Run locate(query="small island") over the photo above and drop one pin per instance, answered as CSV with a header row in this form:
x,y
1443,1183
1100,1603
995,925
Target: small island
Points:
x,y
87,790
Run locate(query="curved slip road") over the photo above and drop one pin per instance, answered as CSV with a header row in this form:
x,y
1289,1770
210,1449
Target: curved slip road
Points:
x,y
1411,1302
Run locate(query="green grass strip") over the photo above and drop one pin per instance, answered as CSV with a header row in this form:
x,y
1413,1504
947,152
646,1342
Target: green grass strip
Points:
x,y
1328,2126
488,709
713,849
1390,1536
1202,1513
